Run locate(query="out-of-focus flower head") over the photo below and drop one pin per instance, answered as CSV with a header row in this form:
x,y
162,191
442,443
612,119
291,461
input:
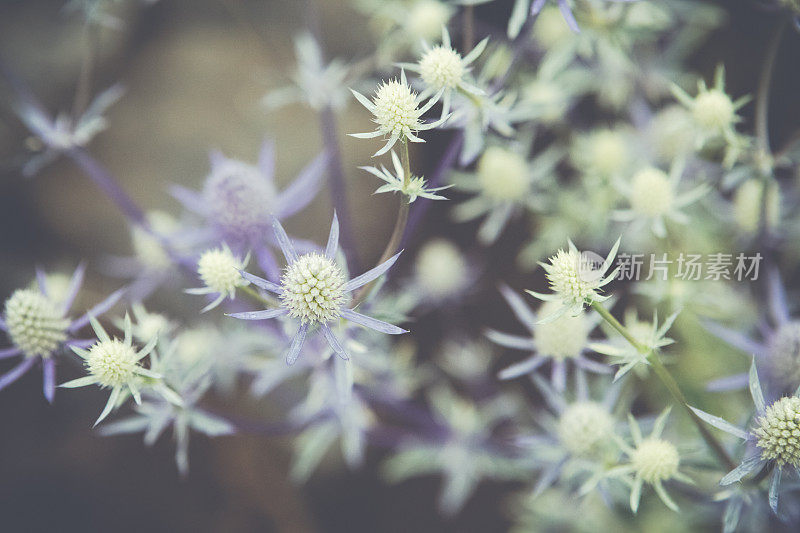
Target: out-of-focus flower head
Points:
x,y
654,199
503,184
65,133
563,340
239,200
315,83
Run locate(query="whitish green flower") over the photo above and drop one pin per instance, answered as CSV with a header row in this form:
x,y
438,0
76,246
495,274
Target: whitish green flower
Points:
x,y
748,202
397,113
579,439
654,199
603,153
314,83
562,341
466,456
652,460
713,111
504,185
114,364
576,279
443,69
413,188
773,439
650,335
219,271
441,271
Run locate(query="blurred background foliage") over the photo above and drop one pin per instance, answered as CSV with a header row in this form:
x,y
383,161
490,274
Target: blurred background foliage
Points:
x,y
195,71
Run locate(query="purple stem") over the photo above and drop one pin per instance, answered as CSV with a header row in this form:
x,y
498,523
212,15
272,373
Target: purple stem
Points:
x,y
337,187
106,182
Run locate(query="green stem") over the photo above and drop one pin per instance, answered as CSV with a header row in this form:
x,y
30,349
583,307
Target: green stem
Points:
x,y
762,98
399,226
669,382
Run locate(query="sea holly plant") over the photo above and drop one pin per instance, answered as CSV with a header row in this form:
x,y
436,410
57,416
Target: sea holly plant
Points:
x,y
314,292
37,324
773,440
115,364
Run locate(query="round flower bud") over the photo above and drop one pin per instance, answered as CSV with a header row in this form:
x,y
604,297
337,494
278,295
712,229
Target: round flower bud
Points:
x,y
713,110
112,362
747,202
651,192
562,338
441,67
784,351
396,108
219,270
313,289
778,432
146,247
239,201
503,174
425,19
35,323
440,269
655,460
583,426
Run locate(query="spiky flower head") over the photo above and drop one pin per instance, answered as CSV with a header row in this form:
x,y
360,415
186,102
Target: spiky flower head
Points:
x,y
397,112
778,432
112,362
562,338
576,279
583,426
313,289
219,270
35,323
239,200
655,460
441,67
651,192
712,110
672,133
503,174
604,152
425,18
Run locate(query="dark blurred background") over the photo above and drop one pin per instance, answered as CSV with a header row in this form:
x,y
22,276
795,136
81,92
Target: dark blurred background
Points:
x,y
194,72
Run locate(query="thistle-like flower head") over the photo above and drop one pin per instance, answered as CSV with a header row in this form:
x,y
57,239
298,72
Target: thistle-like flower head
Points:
x,y
576,279
112,363
312,289
778,432
411,186
218,269
651,192
583,426
397,112
655,460
35,323
562,338
503,174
